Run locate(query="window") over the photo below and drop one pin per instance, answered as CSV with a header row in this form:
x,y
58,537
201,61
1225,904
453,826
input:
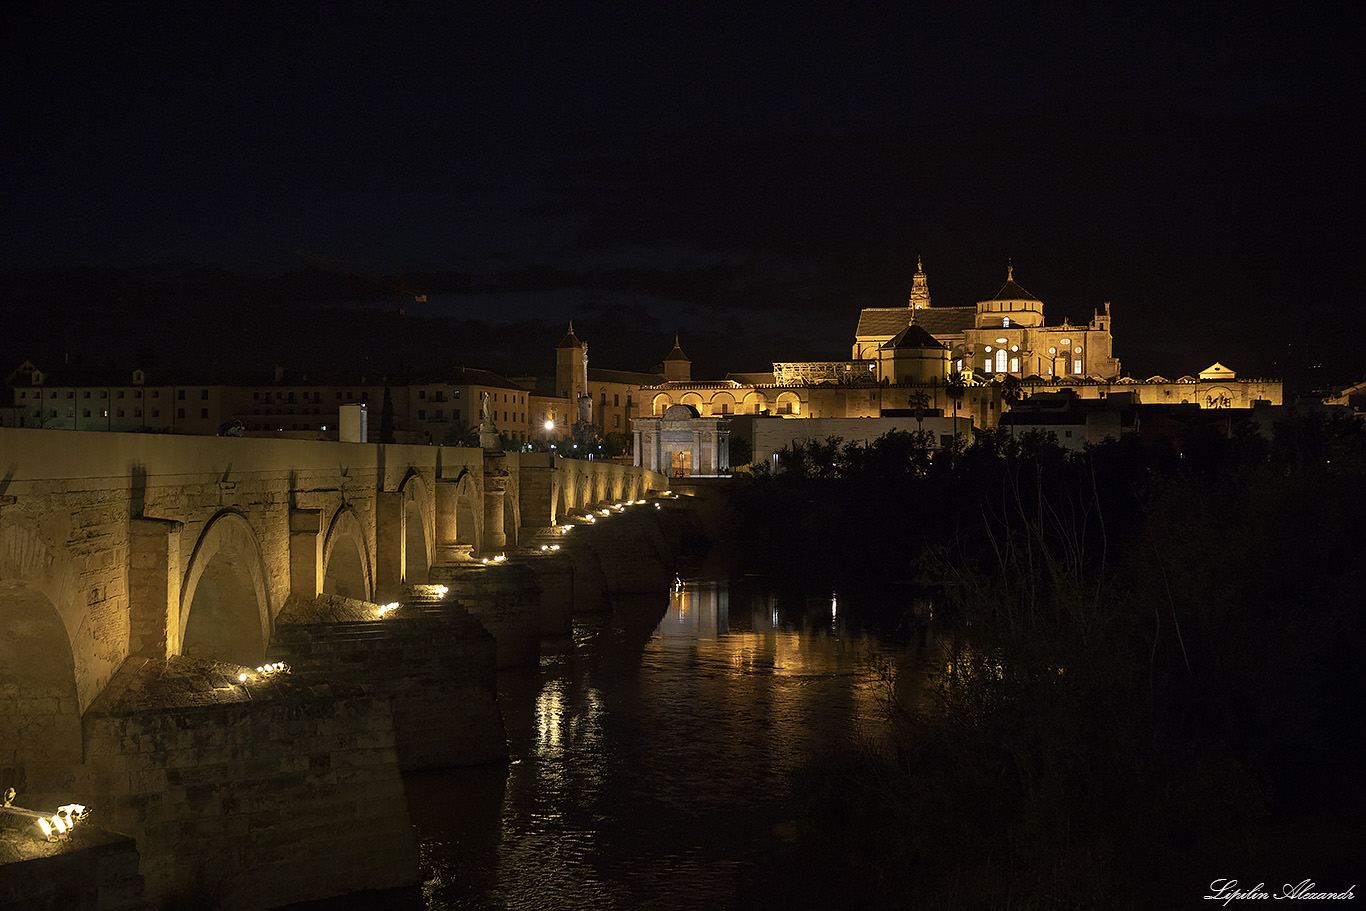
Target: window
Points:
x,y
86,394
1000,360
422,414
616,419
137,412
120,393
120,412
986,365
156,412
137,393
180,394
85,413
1067,434
1076,366
204,396
1005,322
616,399
1014,365
256,396
180,412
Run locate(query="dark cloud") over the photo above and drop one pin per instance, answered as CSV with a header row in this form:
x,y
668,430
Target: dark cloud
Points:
x,y
751,174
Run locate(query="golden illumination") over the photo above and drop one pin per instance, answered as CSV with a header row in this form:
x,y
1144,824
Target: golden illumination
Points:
x,y
386,608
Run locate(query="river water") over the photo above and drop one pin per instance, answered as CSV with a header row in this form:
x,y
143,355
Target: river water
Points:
x,y
654,754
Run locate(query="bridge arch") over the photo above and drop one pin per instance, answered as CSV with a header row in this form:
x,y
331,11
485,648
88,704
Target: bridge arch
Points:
x,y
418,533
39,707
224,603
346,557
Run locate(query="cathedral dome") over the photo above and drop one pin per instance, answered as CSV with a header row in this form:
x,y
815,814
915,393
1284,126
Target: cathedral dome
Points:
x,y
1010,306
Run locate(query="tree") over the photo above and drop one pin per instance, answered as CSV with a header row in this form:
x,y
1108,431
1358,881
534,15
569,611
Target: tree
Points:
x,y
919,401
386,417
956,388
741,452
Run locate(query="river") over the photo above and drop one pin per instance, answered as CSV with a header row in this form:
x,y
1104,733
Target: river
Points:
x,y
654,755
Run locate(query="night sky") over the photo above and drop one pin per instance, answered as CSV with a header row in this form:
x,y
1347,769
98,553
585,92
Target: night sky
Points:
x,y
749,176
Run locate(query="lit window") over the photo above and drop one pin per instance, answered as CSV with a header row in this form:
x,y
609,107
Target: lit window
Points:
x,y
1076,366
1014,365
1000,360
1005,322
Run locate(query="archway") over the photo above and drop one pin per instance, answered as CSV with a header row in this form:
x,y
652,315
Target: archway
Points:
x,y
417,547
38,703
723,403
225,609
660,402
789,403
754,403
346,559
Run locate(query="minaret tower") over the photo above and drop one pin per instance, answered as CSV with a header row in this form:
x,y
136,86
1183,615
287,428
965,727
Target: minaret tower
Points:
x,y
920,287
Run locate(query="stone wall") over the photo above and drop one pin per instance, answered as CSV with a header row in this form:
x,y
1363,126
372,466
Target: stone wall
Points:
x,y
429,655
92,868
256,794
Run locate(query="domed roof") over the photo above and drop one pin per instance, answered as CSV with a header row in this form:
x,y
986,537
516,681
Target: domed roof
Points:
x,y
1010,291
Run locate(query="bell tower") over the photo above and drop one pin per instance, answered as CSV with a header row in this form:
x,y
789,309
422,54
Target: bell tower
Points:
x,y
571,368
920,287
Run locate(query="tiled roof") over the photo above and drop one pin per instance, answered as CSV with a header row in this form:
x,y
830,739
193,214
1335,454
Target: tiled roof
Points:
x,y
913,336
629,377
886,322
753,379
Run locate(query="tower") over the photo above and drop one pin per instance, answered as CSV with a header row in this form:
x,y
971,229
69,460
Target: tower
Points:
x,y
571,368
920,287
677,367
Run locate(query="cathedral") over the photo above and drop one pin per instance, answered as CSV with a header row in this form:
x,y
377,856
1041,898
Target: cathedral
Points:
x,y
960,366
1002,334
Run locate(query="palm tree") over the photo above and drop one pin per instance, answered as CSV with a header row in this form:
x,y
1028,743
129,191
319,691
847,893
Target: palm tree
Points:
x,y
1012,391
956,388
919,401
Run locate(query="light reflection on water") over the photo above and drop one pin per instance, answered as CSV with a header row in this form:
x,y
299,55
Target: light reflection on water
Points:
x,y
651,767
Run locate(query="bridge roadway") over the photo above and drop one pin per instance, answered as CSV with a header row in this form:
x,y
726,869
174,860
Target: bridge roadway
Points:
x,y
157,551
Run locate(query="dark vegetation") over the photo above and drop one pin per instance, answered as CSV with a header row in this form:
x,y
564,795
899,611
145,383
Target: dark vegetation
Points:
x,y
1144,662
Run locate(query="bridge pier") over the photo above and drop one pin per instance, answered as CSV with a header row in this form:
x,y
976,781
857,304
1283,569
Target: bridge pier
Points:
x,y
306,552
154,574
388,544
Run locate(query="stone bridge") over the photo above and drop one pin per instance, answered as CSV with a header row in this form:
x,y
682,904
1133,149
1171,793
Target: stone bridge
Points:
x,y
153,552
